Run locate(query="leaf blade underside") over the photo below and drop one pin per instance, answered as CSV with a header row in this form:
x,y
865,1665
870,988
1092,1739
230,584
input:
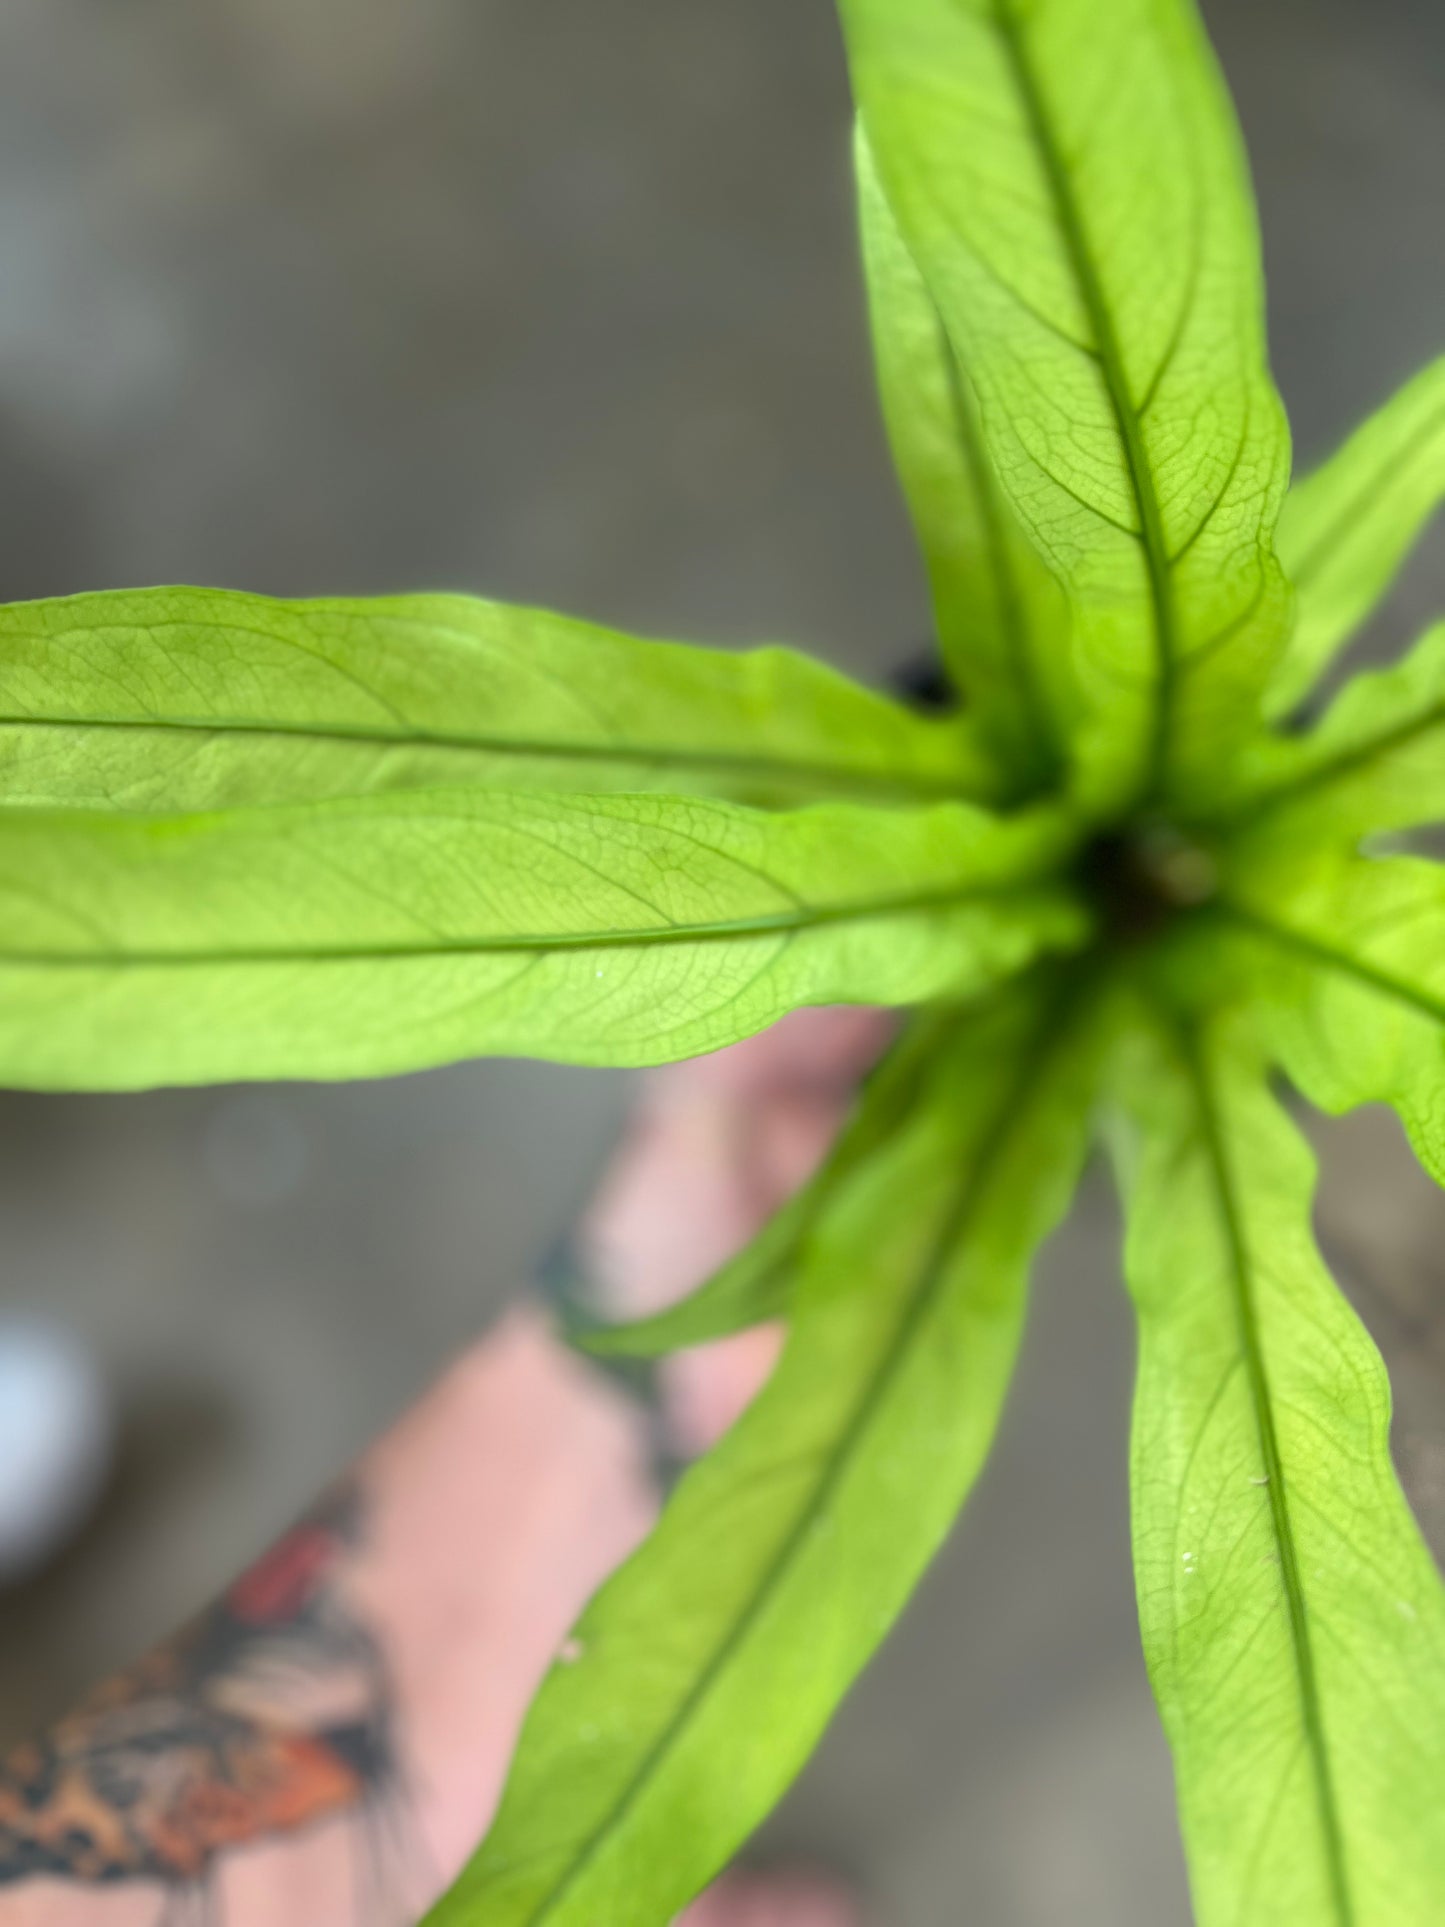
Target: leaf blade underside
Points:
x,y
1347,527
1071,185
1348,977
783,1556
198,699
367,936
1374,762
1001,619
1293,1621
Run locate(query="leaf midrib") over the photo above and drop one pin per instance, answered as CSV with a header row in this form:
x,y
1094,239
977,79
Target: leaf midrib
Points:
x,y
794,769
1271,797
1344,962
932,1278
1257,1377
1150,533
738,929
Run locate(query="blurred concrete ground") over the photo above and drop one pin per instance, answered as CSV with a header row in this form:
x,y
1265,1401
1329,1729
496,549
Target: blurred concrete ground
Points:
x,y
558,300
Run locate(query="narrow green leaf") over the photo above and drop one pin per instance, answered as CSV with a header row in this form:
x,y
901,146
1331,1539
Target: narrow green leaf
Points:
x,y
1375,762
1346,529
366,936
1293,1623
759,1283
703,1673
1350,980
1068,178
1002,621
193,699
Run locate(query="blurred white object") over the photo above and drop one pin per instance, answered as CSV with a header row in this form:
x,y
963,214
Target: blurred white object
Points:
x,y
56,1431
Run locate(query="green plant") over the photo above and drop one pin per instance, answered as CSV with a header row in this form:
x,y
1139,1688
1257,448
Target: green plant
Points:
x,y
253,839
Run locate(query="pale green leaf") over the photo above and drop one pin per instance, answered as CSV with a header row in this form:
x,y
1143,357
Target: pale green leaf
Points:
x,y
1349,978
1293,1623
1068,178
758,1284
700,1677
1348,972
1346,529
365,936
1002,621
1375,762
190,699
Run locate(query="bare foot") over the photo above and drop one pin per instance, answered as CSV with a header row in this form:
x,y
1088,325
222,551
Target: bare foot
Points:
x,y
715,1147
783,1899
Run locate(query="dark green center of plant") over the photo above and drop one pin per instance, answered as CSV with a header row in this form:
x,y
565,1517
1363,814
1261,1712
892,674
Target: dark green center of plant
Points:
x,y
1140,878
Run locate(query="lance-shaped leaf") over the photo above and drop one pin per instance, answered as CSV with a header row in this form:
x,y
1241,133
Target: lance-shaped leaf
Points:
x,y
1293,1622
760,1281
1345,530
1002,621
1375,762
192,699
1349,975
366,936
1069,180
703,1673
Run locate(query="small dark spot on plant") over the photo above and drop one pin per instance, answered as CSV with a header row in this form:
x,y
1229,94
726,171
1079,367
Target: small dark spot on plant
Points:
x,y
1139,879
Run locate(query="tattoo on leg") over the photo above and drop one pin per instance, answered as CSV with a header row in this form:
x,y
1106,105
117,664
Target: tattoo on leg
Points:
x,y
269,1714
